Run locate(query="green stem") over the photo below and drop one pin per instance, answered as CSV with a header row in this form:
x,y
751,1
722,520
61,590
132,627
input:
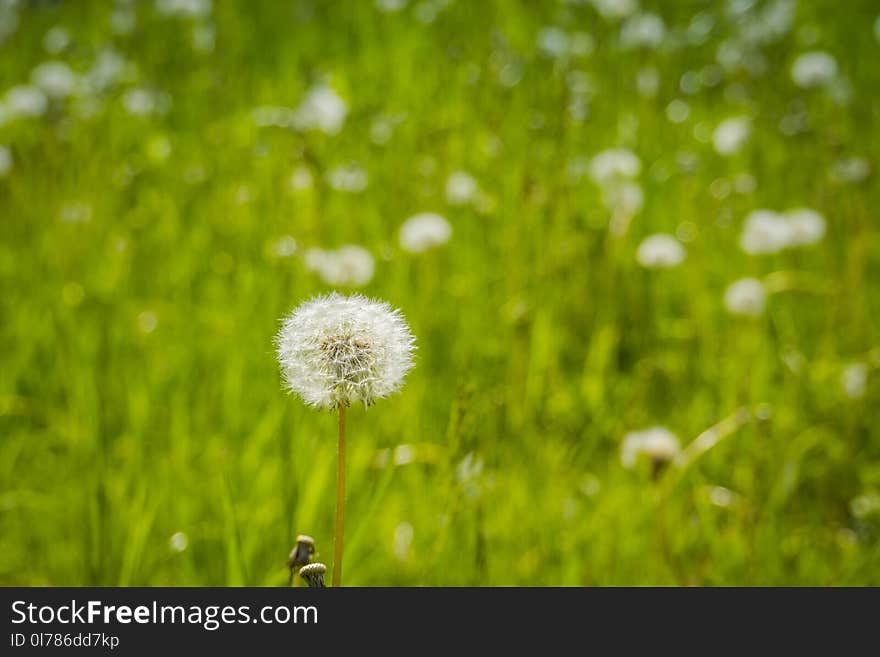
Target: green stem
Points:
x,y
340,501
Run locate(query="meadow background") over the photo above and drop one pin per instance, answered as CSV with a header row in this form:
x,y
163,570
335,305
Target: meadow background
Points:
x,y
158,209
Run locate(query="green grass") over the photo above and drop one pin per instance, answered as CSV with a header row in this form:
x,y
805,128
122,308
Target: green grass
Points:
x,y
139,392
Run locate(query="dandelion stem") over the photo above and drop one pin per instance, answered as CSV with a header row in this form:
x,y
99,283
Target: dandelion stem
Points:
x,y
340,500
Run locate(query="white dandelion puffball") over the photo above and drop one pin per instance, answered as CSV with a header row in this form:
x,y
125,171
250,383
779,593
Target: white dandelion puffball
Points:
x,y
855,380
660,251
730,135
424,231
613,165
615,8
5,161
349,266
642,30
349,178
806,227
26,100
765,231
461,188
335,350
657,443
747,296
54,78
322,109
814,69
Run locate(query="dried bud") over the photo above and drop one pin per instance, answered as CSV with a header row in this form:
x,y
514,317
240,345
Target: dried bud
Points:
x,y
301,554
313,574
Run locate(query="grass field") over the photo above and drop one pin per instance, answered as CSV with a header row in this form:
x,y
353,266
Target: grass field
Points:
x,y
162,198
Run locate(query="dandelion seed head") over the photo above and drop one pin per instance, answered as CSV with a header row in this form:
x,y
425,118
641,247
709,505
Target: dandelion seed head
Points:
x,y
657,443
55,79
322,109
660,251
806,227
730,135
348,266
613,165
335,350
642,31
26,100
178,541
747,296
854,380
765,231
814,69
424,231
461,188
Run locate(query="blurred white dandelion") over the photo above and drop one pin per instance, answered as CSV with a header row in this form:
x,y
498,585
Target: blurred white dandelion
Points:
x,y
851,169
56,79
322,109
614,165
424,231
657,443
184,8
349,177
178,542
613,9
806,227
642,31
461,188
335,350
747,296
765,231
349,266
731,134
814,69
284,247
143,102
26,100
56,40
854,380
660,251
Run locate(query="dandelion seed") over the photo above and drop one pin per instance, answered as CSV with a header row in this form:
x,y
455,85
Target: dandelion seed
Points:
x,y
854,380
335,350
660,251
301,179
656,443
814,69
424,231
747,296
26,101
553,42
730,135
348,266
